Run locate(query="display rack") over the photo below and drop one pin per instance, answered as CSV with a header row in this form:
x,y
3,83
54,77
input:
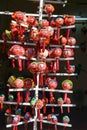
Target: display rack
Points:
x,y
35,120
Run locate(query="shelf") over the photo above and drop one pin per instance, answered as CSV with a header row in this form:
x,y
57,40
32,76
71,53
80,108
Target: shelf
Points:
x,y
59,124
16,103
51,1
77,18
28,104
41,89
34,59
33,44
64,105
20,123
62,74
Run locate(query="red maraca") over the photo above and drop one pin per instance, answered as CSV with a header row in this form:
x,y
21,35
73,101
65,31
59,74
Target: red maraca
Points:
x,y
45,23
30,20
41,119
14,30
57,52
55,121
16,120
52,84
33,67
39,105
30,53
19,16
34,35
67,85
41,68
18,51
69,20
42,55
45,101
2,98
71,41
60,102
68,52
63,40
49,9
68,101
71,69
18,83
66,120
59,22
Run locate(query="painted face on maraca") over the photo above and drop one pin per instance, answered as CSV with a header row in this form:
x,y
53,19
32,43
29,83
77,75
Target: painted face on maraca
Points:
x,y
71,69
67,86
64,40
49,9
57,52
30,20
71,41
33,67
30,52
41,66
39,104
59,22
18,83
45,23
52,84
19,16
68,52
69,20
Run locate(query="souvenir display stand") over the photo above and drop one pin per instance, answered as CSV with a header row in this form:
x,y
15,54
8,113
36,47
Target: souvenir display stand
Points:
x,y
41,52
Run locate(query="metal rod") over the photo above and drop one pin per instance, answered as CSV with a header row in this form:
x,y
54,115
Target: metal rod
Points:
x,y
62,74
36,111
34,59
59,124
44,15
41,89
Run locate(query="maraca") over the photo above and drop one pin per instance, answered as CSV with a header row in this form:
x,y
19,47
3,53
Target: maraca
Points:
x,y
16,120
52,84
63,40
27,116
69,20
45,101
30,20
49,9
57,52
67,85
2,98
60,102
41,68
41,119
66,120
9,118
42,55
54,120
68,101
68,52
71,41
18,83
71,69
18,51
11,80
59,22
39,105
45,23
19,16
11,97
